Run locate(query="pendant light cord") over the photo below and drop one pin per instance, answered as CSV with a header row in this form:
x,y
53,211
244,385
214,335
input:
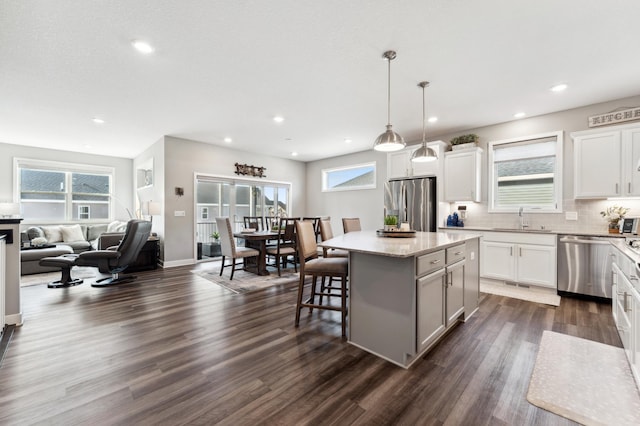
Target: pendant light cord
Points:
x,y
424,84
389,92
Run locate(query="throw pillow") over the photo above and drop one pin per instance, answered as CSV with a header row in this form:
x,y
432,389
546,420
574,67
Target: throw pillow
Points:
x,y
52,233
35,232
117,226
72,233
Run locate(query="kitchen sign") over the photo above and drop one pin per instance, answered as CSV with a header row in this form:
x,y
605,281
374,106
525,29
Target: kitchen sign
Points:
x,y
615,117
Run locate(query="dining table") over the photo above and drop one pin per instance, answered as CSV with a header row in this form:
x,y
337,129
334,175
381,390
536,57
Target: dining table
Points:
x,y
257,240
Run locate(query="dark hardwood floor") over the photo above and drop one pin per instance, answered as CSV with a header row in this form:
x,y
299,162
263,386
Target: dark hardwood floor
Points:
x,y
173,348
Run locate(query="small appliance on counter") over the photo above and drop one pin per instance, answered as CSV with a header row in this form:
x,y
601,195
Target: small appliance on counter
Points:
x,y
629,225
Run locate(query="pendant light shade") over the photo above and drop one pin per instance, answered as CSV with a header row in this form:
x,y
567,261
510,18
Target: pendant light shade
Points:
x,y
389,140
424,153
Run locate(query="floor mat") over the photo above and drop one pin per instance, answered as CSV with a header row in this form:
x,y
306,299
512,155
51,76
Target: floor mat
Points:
x,y
529,295
585,381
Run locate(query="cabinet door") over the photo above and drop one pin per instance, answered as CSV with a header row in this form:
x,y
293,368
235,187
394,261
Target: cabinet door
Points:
x,y
498,261
624,306
536,265
455,291
635,328
597,165
398,164
462,176
631,156
430,308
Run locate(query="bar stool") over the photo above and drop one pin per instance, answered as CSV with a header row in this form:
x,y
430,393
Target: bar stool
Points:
x,y
310,264
351,224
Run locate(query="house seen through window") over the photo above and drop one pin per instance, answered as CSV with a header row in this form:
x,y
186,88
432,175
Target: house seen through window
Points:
x,y
360,176
59,192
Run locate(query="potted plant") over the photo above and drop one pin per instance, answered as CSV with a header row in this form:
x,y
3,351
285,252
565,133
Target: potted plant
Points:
x,y
613,215
216,237
464,141
390,222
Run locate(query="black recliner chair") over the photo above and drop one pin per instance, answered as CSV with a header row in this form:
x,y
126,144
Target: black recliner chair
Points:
x,y
112,261
116,259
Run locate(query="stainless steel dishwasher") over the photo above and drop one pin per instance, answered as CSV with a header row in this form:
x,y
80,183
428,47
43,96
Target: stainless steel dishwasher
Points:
x,y
584,265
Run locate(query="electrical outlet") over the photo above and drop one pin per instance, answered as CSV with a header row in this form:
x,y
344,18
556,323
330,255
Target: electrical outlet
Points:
x,y
178,213
571,215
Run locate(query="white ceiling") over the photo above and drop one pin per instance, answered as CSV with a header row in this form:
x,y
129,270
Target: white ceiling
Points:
x,y
226,68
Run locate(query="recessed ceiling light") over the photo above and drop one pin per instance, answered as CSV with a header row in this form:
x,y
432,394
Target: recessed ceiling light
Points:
x,y
294,154
347,140
559,87
97,120
432,119
519,114
87,146
228,140
278,119
142,46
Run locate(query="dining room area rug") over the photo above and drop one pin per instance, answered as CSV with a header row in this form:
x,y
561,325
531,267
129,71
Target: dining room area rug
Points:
x,y
245,281
585,381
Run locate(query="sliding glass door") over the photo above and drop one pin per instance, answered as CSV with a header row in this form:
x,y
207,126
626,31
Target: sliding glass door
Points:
x,y
233,198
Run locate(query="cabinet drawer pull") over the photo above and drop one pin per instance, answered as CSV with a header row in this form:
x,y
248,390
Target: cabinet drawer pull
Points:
x,y
629,191
433,262
458,253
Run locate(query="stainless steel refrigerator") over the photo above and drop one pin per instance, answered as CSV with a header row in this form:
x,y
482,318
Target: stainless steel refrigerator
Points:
x,y
412,201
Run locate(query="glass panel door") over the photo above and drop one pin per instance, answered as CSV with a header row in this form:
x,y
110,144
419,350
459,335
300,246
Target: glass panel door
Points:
x,y
216,197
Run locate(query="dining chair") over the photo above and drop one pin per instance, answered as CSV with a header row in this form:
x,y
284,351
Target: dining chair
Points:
x,y
229,248
351,224
311,264
316,225
254,222
286,244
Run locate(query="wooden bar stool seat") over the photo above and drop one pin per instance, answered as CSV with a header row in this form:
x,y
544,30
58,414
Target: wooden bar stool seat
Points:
x,y
312,265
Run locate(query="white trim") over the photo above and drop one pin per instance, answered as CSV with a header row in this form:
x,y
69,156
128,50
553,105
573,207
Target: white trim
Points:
x,y
13,319
175,263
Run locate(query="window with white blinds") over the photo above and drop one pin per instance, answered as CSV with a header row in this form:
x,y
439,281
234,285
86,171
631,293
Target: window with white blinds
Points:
x,y
526,172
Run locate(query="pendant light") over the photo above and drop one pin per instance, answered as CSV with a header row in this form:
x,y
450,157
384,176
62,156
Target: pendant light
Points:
x,y
424,153
389,140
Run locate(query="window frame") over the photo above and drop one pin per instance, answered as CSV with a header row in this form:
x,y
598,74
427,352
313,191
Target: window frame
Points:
x,y
557,174
64,167
325,173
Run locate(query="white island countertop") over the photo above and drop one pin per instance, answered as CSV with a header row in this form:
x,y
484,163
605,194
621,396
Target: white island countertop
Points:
x,y
369,242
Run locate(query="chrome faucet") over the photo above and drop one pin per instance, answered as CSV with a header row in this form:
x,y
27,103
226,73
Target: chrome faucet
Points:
x,y
523,222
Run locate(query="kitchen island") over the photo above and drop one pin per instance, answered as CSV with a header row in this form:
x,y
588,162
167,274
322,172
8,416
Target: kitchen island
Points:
x,y
406,293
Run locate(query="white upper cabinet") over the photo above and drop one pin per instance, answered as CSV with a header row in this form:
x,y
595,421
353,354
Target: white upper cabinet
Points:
x,y
606,162
399,164
462,175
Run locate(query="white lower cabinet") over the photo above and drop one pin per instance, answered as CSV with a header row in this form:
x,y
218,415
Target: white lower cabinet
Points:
x,y
522,258
626,310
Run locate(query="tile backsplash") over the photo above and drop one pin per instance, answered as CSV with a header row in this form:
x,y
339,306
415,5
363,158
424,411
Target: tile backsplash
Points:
x,y
588,212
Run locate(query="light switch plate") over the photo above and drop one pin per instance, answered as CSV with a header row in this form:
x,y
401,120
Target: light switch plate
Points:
x,y
571,215
178,213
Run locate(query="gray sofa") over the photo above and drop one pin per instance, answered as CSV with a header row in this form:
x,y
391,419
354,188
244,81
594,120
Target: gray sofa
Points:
x,y
66,239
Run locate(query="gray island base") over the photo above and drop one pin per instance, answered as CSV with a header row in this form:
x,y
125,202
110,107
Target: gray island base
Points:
x,y
406,293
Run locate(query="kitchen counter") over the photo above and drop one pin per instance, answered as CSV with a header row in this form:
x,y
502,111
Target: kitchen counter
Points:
x,y
422,243
406,293
585,233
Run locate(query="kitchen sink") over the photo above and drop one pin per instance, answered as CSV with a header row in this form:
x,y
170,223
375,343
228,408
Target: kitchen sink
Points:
x,y
522,230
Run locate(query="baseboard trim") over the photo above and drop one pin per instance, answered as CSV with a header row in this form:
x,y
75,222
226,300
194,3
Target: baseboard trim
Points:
x,y
174,263
13,319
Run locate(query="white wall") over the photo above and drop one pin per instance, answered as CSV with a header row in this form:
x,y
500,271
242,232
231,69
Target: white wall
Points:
x,y
183,159
367,204
123,179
